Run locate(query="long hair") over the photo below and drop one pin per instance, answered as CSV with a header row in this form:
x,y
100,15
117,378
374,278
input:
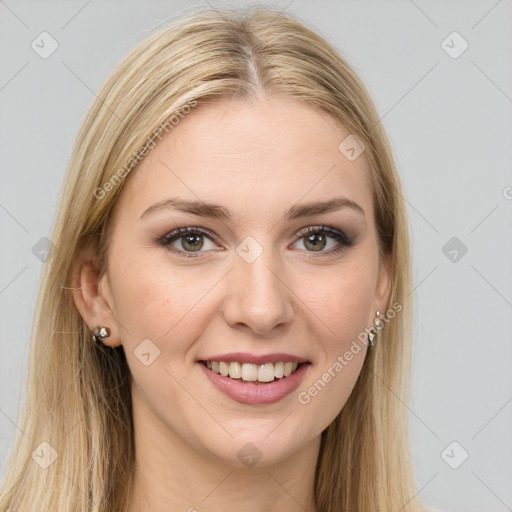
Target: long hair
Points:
x,y
78,401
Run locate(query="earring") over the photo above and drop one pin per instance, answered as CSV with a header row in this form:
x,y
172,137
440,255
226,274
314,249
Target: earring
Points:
x,y
379,323
99,333
374,331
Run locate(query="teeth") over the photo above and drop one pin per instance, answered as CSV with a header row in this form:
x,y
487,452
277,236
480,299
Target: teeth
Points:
x,y
279,370
249,372
266,372
235,370
252,372
223,368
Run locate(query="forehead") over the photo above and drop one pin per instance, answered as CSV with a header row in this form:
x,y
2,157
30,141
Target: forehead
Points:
x,y
258,155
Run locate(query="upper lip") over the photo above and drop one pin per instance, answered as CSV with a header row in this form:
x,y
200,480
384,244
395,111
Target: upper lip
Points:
x,y
246,357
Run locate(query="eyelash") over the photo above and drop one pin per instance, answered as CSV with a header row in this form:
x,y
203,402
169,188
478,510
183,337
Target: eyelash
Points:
x,y
343,240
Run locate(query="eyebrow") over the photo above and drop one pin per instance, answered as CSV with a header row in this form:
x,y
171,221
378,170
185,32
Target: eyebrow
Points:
x,y
216,211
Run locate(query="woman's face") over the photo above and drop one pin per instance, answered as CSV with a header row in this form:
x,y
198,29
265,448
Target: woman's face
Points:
x,y
257,275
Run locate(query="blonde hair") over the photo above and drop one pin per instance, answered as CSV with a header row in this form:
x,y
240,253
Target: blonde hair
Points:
x,y
78,395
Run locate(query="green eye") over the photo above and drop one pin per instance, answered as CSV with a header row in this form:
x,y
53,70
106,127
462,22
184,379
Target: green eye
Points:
x,y
316,239
192,240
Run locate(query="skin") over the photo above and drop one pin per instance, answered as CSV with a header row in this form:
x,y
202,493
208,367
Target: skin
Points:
x,y
256,159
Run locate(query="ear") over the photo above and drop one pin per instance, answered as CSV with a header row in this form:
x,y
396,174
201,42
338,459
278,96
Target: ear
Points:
x,y
93,298
383,287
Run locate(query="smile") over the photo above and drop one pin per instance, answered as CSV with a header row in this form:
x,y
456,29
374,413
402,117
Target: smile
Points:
x,y
250,387
250,372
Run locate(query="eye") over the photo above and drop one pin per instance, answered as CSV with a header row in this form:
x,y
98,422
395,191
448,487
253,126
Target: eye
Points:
x,y
187,240
316,239
190,240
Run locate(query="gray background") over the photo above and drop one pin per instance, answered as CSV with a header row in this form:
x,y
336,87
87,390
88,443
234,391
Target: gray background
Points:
x,y
450,123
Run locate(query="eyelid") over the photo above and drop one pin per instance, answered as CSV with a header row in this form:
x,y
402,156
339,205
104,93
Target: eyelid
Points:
x,y
175,234
336,233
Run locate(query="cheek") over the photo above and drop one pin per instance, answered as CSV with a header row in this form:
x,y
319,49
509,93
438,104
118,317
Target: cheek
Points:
x,y
155,298
343,298
164,303
343,307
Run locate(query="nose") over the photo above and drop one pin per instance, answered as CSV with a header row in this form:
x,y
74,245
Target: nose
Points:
x,y
258,298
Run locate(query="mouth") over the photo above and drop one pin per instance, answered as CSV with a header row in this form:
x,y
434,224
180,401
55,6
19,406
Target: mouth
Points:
x,y
255,384
254,373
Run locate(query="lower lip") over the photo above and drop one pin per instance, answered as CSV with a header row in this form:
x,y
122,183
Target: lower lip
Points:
x,y
250,393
